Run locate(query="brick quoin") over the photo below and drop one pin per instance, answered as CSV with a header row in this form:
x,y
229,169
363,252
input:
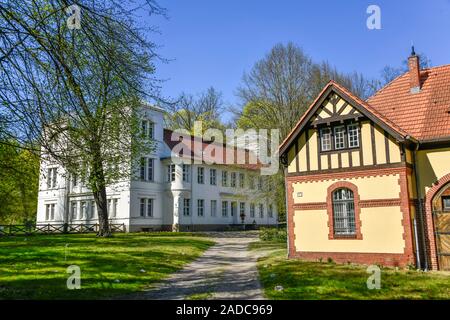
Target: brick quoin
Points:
x,y
388,259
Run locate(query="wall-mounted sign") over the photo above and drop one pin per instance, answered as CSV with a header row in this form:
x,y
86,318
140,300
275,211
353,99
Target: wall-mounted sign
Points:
x,y
299,194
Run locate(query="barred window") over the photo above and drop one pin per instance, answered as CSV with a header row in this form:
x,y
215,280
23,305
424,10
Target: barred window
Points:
x,y
339,137
325,139
343,212
353,135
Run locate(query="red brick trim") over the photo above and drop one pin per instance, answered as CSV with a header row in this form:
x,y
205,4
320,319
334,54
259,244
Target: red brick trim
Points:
x,y
387,259
429,221
354,189
376,203
372,203
310,206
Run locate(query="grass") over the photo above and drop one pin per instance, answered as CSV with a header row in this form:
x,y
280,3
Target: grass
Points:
x,y
35,267
327,280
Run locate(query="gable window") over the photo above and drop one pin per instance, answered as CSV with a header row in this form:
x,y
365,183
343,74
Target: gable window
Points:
x,y
344,212
212,177
353,135
201,175
339,137
171,173
325,139
186,172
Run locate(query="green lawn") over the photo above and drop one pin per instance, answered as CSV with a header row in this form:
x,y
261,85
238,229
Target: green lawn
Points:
x,y
327,280
35,267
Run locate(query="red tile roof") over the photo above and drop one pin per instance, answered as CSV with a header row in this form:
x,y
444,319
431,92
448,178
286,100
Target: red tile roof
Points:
x,y
195,151
424,115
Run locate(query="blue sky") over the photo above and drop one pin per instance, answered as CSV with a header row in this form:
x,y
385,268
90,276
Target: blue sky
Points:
x,y
213,42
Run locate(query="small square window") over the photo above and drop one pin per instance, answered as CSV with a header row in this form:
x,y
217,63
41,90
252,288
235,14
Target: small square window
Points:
x,y
446,203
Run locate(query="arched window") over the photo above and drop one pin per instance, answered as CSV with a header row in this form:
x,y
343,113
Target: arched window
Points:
x,y
344,212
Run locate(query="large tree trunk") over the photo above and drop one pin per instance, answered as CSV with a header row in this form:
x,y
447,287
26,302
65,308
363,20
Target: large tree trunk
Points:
x,y
98,186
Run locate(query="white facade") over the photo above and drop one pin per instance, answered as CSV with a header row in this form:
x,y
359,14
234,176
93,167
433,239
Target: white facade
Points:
x,y
163,199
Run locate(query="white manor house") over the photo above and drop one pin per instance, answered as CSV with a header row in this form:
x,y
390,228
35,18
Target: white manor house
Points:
x,y
168,195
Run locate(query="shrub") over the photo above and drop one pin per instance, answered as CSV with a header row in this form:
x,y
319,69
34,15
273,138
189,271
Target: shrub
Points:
x,y
273,234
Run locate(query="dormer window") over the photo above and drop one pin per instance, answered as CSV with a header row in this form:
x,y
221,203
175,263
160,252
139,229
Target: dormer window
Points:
x,y
339,137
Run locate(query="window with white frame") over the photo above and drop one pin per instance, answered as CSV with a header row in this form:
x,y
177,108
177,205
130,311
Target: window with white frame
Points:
x,y
233,180
325,139
92,209
242,209
339,137
186,207
200,175
114,210
213,208
200,207
261,211
241,180
186,172
83,209
270,211
251,182
147,169
224,208
171,173
73,209
252,210
224,178
353,135
148,129
146,207
50,211
343,212
260,183
52,175
212,177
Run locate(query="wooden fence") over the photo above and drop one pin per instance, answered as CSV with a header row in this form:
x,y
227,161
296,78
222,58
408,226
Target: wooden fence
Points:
x,y
21,229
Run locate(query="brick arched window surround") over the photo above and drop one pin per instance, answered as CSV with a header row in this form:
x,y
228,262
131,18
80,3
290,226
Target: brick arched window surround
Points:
x,y
357,209
429,221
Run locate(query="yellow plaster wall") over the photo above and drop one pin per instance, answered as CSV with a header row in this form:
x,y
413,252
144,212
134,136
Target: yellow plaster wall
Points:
x,y
433,165
381,229
302,153
368,188
344,160
334,161
380,145
394,151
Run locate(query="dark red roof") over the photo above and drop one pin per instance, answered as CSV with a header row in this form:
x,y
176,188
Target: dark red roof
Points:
x,y
194,151
424,115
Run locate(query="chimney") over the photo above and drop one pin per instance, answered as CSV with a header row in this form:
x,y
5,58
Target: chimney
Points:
x,y
414,72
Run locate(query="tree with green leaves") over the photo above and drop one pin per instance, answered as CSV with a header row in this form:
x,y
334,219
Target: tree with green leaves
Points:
x,y
73,79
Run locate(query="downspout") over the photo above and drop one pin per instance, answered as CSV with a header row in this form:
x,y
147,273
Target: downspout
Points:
x,y
420,212
287,210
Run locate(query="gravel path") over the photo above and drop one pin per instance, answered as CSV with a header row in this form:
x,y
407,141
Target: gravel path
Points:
x,y
227,270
